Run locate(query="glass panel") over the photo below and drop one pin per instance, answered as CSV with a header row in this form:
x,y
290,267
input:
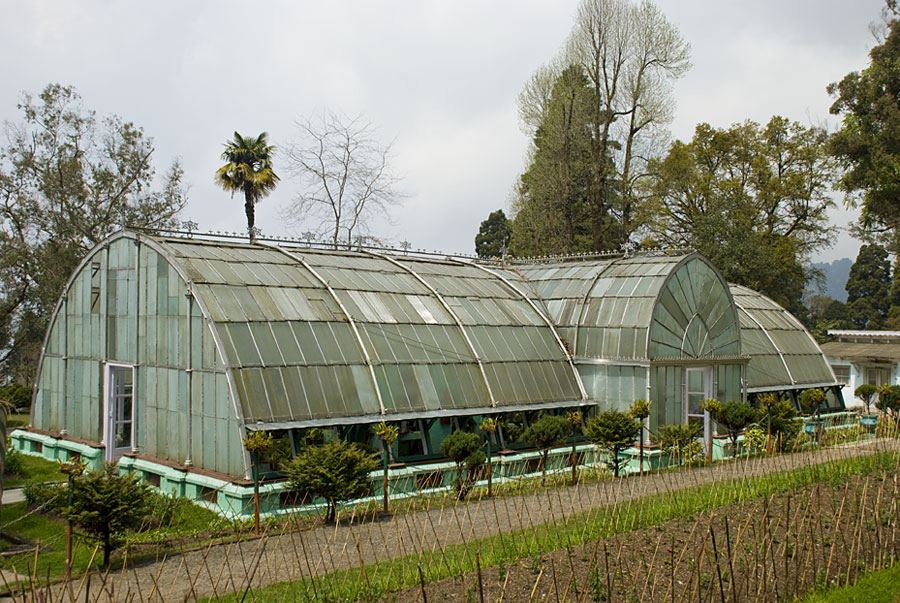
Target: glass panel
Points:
x,y
265,342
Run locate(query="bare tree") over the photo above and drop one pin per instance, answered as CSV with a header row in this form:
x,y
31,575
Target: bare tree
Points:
x,y
629,53
345,177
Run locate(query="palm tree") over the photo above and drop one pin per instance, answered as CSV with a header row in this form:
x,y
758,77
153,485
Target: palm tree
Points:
x,y
249,170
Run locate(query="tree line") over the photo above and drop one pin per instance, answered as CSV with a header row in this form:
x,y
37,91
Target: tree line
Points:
x,y
752,197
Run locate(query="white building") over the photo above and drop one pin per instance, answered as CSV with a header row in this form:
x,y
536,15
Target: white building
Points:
x,y
859,357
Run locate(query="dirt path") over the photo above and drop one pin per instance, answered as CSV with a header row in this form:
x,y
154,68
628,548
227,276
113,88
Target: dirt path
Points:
x,y
220,569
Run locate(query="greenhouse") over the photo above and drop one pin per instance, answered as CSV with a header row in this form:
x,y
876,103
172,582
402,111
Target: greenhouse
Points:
x,y
165,352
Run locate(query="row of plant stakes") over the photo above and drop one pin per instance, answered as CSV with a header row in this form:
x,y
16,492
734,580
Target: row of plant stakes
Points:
x,y
762,525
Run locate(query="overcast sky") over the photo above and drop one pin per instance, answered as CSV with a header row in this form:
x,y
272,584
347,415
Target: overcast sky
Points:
x,y
441,78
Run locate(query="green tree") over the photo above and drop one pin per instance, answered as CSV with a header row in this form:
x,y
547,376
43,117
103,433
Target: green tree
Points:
x,y
388,434
249,171
464,449
107,504
868,288
866,145
493,236
336,471
889,401
553,196
732,418
613,431
754,199
866,392
544,434
68,179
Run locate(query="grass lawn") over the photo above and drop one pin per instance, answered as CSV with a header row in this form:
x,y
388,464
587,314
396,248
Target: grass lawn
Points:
x,y
172,517
16,420
874,587
34,469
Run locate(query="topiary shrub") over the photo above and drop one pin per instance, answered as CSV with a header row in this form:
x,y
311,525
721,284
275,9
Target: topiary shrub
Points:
x,y
889,401
866,392
613,431
545,433
732,418
464,449
337,471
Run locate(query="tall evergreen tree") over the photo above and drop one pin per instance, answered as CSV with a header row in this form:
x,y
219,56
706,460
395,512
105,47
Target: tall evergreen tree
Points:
x,y
868,288
493,235
249,171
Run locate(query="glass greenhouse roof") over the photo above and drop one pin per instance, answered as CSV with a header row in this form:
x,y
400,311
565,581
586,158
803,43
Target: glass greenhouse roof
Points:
x,y
783,354
312,335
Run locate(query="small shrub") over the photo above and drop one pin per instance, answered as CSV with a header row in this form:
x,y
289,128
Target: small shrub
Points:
x,y
889,401
13,464
52,497
866,392
545,433
613,431
107,504
680,440
337,471
464,449
732,418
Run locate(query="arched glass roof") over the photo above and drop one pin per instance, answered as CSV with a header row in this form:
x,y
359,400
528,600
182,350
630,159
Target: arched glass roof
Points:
x,y
783,355
639,308
311,335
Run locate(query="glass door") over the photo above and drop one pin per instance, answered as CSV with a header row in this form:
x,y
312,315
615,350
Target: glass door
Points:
x,y
118,433
698,382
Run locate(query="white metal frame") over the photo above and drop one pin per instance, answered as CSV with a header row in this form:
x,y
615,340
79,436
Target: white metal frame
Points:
x,y
110,407
707,373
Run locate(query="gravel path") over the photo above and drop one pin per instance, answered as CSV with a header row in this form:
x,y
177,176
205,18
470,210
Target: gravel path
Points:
x,y
275,558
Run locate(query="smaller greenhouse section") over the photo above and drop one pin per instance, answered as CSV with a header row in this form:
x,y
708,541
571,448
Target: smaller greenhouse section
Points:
x,y
784,357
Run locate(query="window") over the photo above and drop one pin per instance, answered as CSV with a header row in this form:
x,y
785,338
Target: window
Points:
x,y
878,376
842,373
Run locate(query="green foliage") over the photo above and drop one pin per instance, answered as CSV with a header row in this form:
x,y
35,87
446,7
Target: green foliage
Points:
x,y
811,400
779,417
866,144
889,401
732,418
68,179
613,431
337,471
258,441
13,463
866,392
553,211
493,235
868,288
387,433
16,396
107,504
680,440
753,199
545,433
640,409
464,449
249,171
50,496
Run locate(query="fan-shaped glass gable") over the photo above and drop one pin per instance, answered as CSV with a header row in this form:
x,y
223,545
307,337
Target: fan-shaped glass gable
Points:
x,y
782,353
639,308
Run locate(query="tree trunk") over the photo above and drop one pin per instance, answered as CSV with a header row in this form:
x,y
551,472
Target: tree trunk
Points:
x,y
251,219
107,548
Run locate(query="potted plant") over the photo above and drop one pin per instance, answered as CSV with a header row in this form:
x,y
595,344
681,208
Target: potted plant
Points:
x,y
866,393
810,401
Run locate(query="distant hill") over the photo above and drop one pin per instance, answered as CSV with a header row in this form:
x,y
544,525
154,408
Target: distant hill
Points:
x,y
835,275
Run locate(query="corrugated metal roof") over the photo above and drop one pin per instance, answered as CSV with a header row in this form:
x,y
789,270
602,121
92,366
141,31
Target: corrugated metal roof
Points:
x,y
863,352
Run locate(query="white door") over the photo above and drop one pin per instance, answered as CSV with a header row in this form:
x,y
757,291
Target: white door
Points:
x,y
118,434
698,388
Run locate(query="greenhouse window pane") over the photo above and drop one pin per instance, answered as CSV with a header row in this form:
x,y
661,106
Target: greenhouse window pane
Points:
x,y
309,347
284,337
244,345
265,342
